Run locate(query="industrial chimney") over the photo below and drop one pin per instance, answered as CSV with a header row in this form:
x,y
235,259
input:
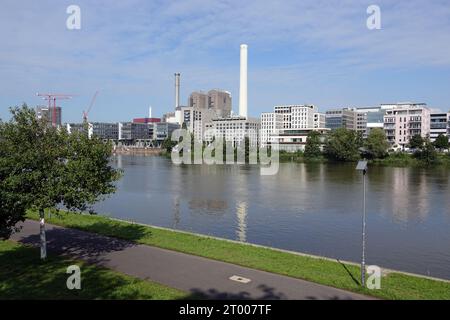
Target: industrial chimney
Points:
x,y
243,82
177,90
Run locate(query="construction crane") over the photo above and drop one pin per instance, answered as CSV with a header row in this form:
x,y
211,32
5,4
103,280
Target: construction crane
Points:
x,y
85,113
53,97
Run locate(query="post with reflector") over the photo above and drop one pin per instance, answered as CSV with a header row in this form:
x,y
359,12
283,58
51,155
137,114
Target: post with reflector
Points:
x,y
362,166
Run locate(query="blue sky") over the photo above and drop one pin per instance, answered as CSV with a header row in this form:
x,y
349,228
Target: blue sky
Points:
x,y
317,51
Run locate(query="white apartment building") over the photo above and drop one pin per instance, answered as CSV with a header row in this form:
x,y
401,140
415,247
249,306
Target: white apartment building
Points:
x,y
404,120
234,129
297,116
271,123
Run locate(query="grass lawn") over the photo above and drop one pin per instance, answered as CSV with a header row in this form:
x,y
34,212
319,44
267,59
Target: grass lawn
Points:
x,y
24,276
332,273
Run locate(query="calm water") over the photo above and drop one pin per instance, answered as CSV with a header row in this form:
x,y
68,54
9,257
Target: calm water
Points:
x,y
311,208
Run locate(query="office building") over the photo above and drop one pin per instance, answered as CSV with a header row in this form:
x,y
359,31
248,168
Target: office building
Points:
x,y
163,130
271,124
130,133
319,120
234,129
297,116
102,130
439,124
195,120
341,118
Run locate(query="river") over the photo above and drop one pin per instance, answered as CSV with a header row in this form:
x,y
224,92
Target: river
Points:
x,y
309,208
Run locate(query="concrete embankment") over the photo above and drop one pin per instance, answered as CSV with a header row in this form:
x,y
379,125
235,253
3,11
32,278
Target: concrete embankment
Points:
x,y
138,151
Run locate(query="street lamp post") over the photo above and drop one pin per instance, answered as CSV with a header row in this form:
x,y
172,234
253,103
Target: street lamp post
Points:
x,y
362,166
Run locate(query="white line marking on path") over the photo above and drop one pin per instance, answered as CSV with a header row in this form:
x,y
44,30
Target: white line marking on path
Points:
x,y
239,279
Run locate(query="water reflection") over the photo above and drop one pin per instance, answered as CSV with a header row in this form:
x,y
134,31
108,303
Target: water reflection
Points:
x,y
241,213
313,208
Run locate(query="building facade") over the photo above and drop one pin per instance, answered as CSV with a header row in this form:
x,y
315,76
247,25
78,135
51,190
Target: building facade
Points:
x,y
198,100
43,112
297,116
220,102
404,120
319,120
341,118
439,124
271,124
292,140
234,129
163,130
195,120
146,120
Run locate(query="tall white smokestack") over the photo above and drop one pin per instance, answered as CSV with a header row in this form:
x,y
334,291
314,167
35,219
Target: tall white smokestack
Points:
x,y
150,111
243,83
177,90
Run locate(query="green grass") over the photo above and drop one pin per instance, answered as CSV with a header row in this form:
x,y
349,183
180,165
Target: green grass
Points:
x,y
24,276
402,159
327,272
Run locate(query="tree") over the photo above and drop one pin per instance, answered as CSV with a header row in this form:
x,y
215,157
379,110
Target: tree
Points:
x,y
343,145
426,153
441,142
376,144
312,148
168,144
416,141
43,168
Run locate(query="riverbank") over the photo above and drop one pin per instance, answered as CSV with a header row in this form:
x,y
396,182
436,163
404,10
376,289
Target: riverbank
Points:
x,y
138,151
399,159
24,276
392,160
394,285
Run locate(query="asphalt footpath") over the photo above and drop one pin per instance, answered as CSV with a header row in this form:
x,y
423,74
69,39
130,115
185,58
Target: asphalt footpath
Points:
x,y
192,274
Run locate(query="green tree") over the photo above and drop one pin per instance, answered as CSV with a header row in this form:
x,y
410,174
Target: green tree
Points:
x,y
43,168
441,142
168,144
343,145
426,153
376,144
416,141
312,148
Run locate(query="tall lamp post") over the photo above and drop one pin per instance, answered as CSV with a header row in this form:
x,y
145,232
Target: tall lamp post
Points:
x,y
362,166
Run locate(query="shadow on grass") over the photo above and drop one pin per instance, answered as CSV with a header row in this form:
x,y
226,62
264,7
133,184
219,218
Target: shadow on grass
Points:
x,y
349,273
24,276
267,293
88,246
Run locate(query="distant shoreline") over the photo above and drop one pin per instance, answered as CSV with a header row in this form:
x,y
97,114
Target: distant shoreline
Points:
x,y
138,151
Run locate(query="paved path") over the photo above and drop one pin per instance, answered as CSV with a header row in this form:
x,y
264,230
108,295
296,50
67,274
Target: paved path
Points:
x,y
178,270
